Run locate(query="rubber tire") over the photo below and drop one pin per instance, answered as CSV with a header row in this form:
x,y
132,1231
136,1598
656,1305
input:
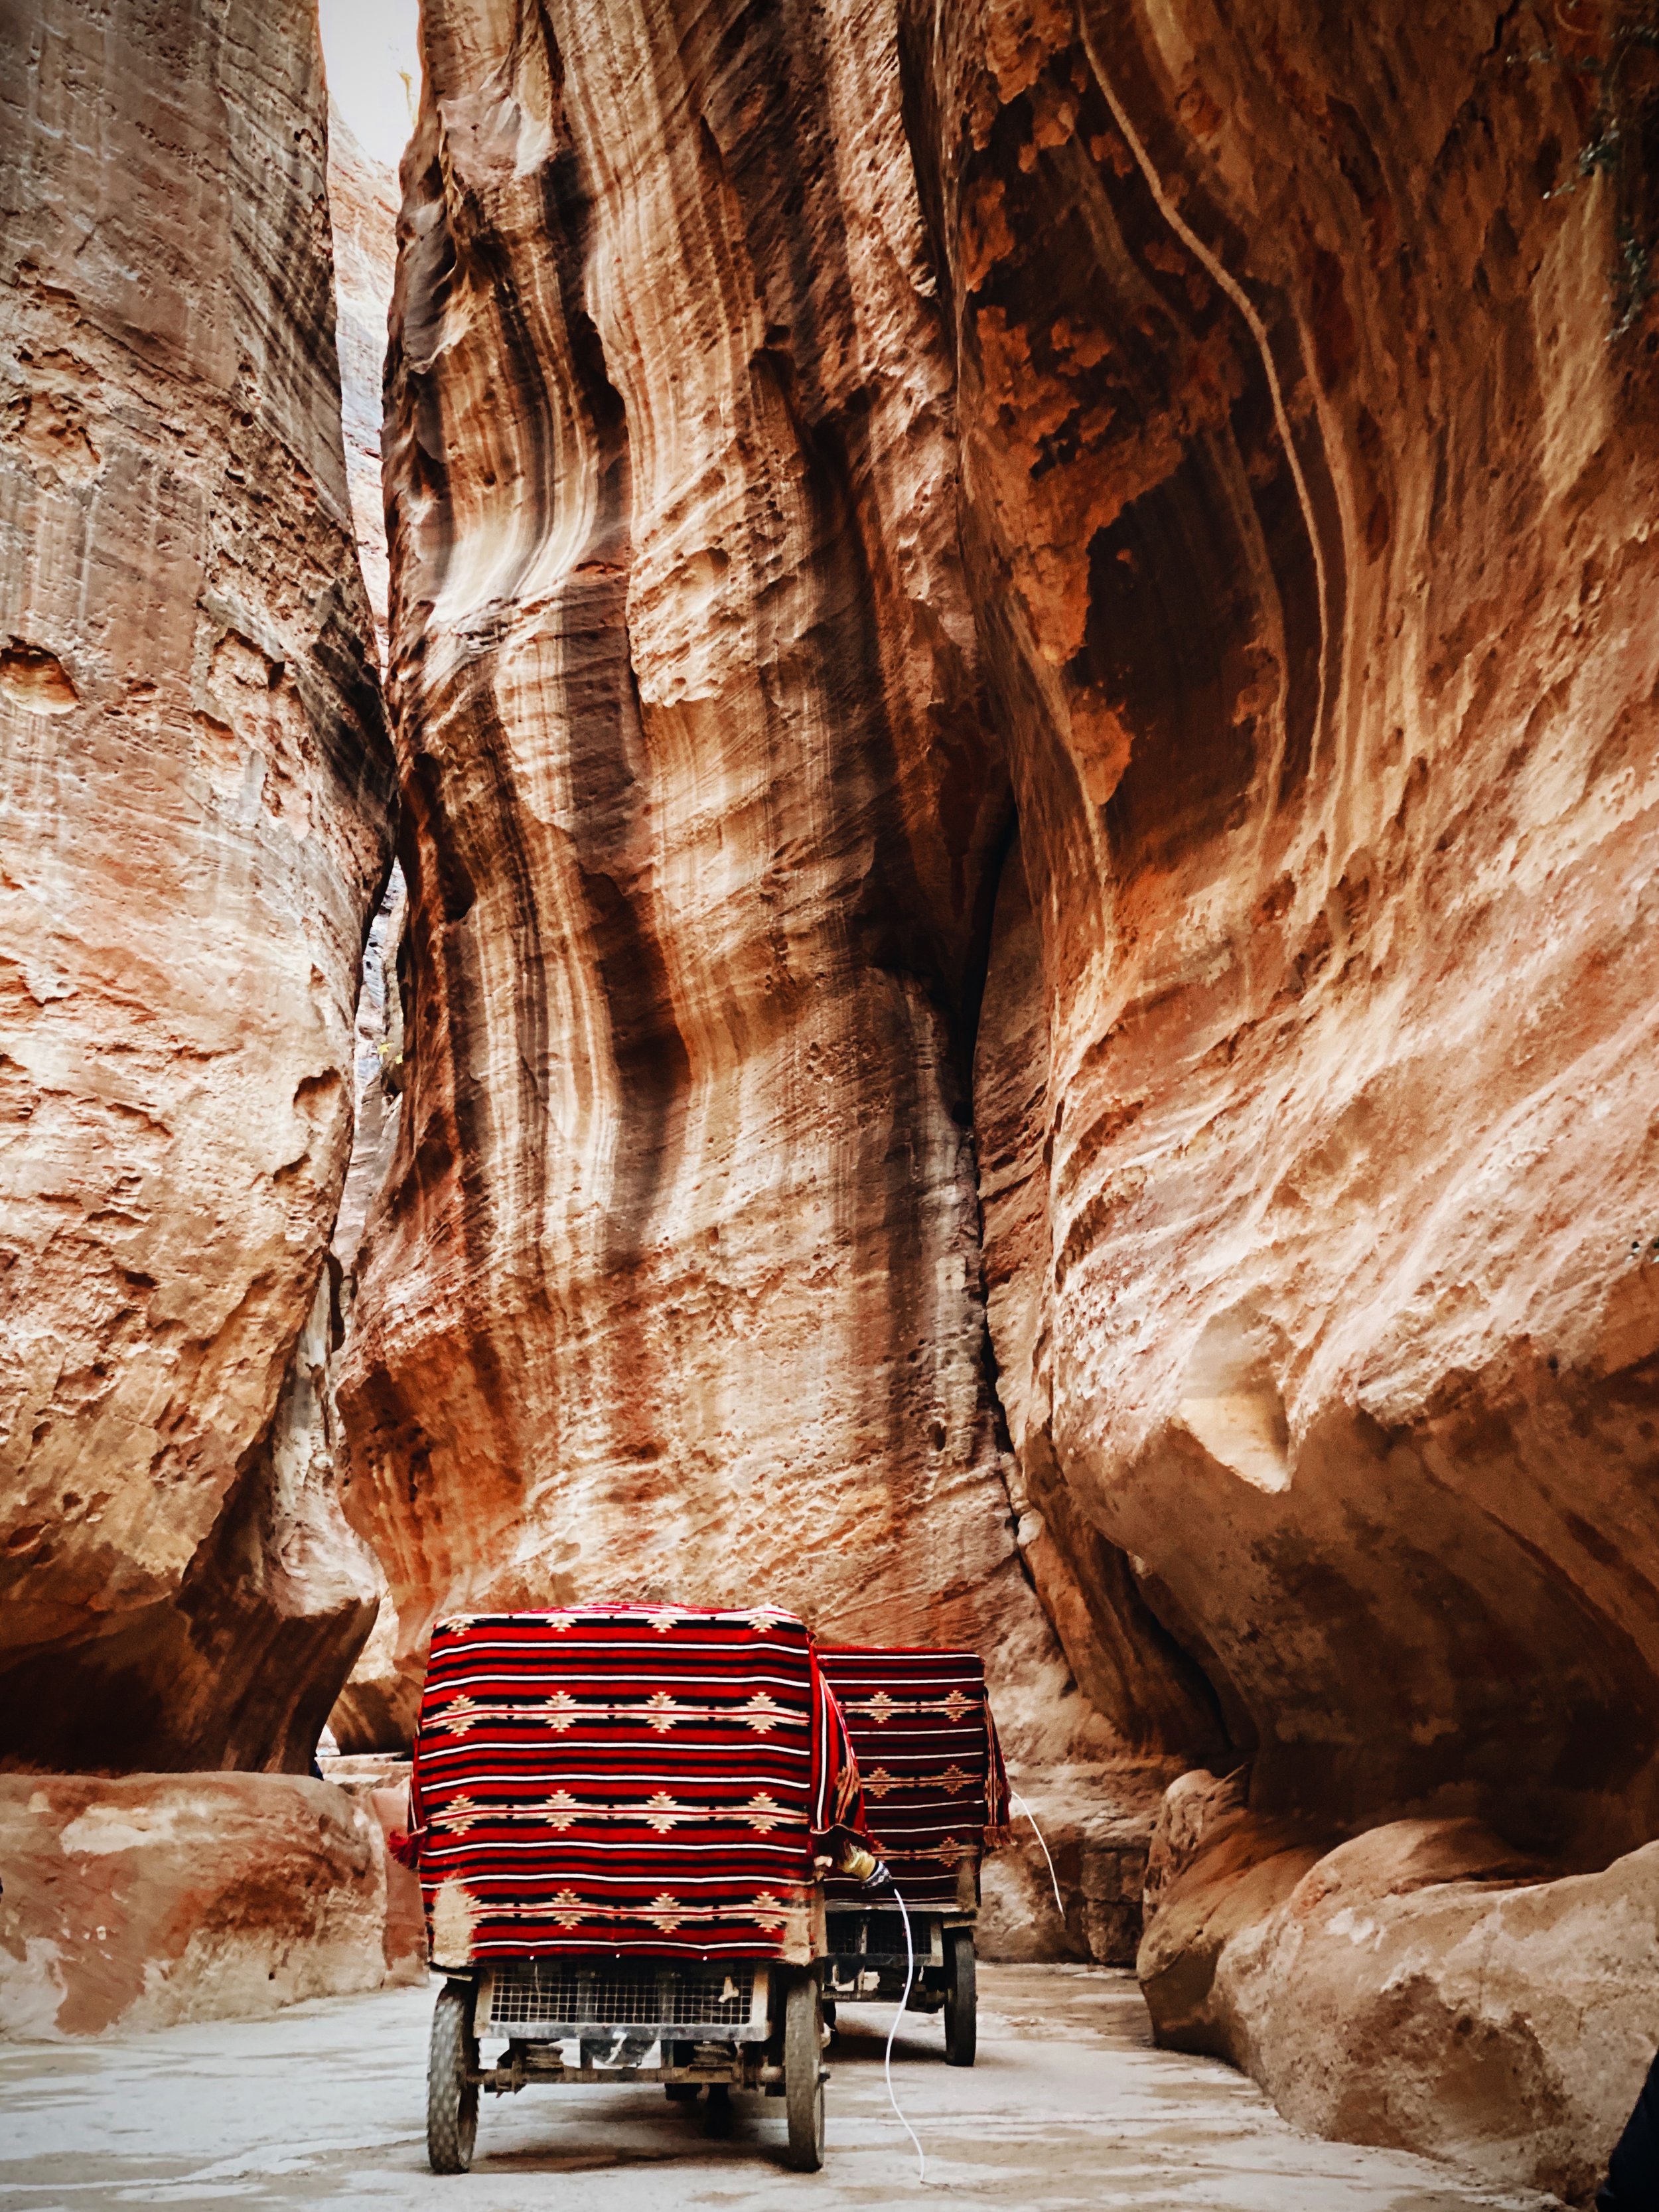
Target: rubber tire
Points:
x,y
803,2074
452,2101
719,2114
680,2092
961,1997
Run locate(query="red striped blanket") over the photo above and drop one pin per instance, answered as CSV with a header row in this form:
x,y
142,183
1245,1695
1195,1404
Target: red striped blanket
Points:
x,y
935,1790
627,1778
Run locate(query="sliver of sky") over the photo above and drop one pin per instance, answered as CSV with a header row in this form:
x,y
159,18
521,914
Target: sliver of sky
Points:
x,y
371,49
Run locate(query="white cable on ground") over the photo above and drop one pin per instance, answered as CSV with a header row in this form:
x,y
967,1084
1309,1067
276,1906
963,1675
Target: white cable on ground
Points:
x,y
881,1875
1014,1798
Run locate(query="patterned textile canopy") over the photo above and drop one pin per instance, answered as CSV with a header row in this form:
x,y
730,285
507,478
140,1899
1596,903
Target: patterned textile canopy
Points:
x,y
627,1778
934,1785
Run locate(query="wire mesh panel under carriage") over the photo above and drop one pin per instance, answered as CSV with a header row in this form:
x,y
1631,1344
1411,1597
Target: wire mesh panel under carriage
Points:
x,y
551,1999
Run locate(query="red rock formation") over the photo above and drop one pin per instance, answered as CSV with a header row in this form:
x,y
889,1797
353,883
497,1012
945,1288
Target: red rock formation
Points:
x,y
197,784
1075,1891
1420,1986
1023,633
1305,391
676,1289
1306,484
135,1903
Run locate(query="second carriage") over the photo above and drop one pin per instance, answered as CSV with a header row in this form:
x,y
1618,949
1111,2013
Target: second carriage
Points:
x,y
936,1799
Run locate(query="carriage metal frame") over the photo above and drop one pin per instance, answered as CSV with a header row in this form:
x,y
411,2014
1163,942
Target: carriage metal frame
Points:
x,y
867,1962
740,2008
752,2024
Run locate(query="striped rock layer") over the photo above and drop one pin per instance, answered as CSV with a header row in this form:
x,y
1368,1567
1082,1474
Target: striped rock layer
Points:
x,y
675,1288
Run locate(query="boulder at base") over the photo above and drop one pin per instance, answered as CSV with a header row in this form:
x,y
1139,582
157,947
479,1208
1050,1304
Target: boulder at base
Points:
x,y
141,1901
1422,1985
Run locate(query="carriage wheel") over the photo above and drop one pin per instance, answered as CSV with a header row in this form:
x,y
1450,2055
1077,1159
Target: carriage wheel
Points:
x,y
452,2101
960,1998
803,2073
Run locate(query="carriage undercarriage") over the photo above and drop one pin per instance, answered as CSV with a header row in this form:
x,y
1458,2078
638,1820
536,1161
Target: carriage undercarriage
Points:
x,y
605,2021
866,1962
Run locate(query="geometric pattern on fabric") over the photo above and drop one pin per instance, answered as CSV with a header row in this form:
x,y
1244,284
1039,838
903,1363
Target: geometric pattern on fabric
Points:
x,y
935,1791
625,1778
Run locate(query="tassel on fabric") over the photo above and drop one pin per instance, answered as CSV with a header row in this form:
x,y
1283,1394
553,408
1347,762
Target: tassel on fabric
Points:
x,y
406,1848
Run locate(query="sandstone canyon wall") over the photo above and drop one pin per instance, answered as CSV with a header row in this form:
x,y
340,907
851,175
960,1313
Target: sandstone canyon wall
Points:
x,y
1305,389
676,1286
1319,1168
197,792
1022,652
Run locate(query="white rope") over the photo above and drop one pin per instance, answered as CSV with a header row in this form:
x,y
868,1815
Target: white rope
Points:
x,y
883,1874
1014,1798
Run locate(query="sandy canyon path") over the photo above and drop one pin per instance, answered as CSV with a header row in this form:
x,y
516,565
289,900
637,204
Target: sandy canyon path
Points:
x,y
1068,2106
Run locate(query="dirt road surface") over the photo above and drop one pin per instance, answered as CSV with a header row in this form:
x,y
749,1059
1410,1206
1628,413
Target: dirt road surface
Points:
x,y
1069,2105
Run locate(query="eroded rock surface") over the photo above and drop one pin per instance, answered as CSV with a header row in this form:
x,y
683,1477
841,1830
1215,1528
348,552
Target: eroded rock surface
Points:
x,y
1070,1885
1424,1985
195,797
1307,477
675,1288
1307,460
137,1902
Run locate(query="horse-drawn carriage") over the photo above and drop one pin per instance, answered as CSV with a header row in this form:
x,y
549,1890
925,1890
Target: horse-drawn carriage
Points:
x,y
936,1798
622,1818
